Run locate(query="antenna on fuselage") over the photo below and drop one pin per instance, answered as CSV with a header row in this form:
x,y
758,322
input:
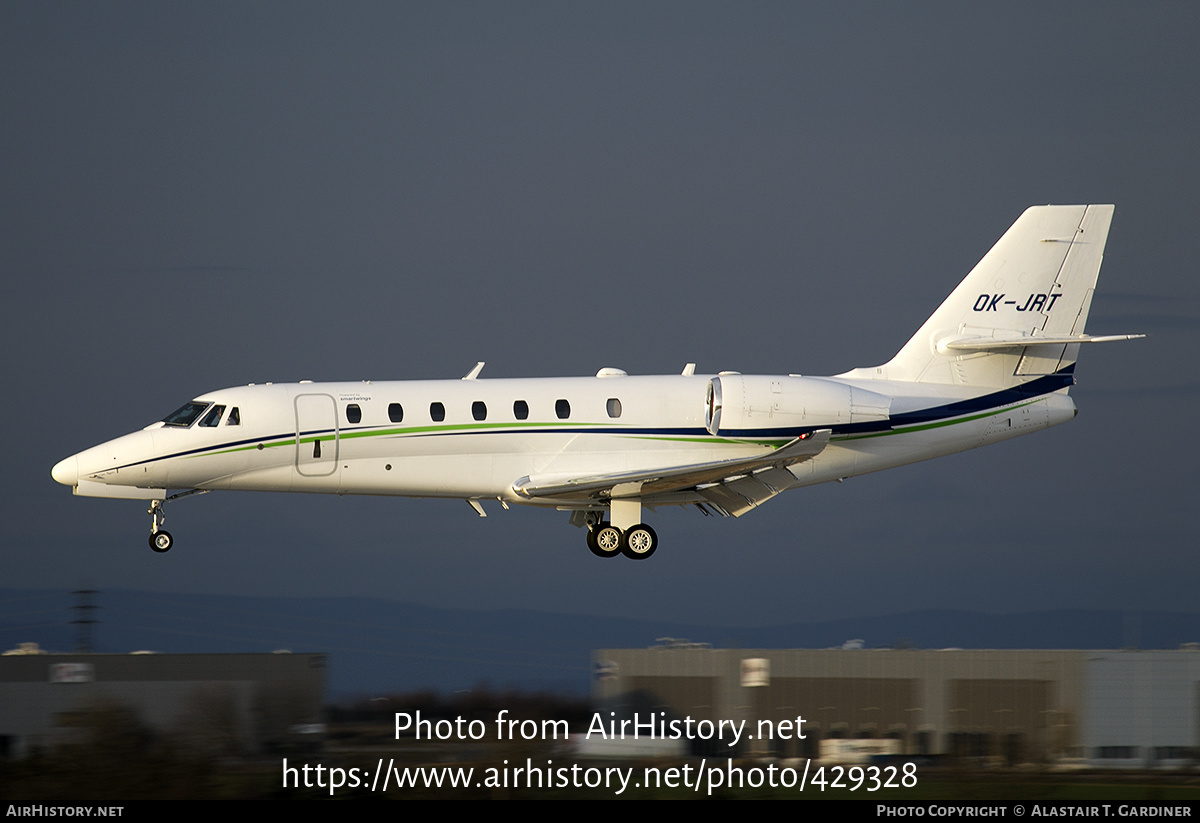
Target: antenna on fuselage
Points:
x,y
473,373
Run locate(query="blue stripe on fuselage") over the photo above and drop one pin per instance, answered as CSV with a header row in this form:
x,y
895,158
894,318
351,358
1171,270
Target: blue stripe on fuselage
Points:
x,y
1037,387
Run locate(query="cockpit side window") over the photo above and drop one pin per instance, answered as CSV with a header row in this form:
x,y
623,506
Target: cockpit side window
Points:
x,y
186,415
235,418
213,418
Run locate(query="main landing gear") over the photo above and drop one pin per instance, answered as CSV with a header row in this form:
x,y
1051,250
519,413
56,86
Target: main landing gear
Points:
x,y
606,540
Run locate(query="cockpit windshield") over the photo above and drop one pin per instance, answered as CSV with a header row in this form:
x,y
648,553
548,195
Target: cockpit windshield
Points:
x,y
213,418
186,415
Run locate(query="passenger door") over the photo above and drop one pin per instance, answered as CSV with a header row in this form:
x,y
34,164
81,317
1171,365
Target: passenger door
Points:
x,y
316,435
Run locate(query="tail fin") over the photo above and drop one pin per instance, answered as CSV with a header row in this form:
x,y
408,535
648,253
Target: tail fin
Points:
x,y
1020,313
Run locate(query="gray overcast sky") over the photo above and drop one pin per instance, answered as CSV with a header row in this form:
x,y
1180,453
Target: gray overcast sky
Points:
x,y
198,195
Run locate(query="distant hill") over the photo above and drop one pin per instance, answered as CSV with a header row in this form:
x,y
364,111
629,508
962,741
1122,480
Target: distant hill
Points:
x,y
378,645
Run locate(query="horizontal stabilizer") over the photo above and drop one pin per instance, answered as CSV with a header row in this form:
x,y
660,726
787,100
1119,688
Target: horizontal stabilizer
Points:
x,y
968,343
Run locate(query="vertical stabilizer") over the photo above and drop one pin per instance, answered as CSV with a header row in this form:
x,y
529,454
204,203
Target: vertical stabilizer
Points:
x,y
1036,282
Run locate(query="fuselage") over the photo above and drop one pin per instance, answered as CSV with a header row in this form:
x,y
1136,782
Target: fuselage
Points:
x,y
473,439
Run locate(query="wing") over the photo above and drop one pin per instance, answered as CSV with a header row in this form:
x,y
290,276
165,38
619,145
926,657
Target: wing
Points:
x,y
733,486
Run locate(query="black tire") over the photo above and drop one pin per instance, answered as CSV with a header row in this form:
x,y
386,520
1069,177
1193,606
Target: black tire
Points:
x,y
161,541
605,540
639,543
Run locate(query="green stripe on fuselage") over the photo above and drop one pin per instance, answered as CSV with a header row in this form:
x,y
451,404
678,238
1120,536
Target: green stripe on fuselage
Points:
x,y
937,424
774,442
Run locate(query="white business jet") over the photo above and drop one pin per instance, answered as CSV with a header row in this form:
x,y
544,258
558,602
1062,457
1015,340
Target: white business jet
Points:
x,y
994,361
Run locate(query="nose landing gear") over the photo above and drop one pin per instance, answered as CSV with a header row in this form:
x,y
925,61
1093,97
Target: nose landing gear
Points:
x,y
160,540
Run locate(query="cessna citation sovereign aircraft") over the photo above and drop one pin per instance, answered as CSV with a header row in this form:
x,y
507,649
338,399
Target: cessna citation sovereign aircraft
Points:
x,y
994,361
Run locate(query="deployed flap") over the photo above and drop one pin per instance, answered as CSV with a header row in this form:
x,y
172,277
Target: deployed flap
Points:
x,y
738,495
647,482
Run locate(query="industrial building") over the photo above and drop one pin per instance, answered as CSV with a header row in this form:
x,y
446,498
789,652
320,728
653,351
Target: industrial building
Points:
x,y
1107,708
226,703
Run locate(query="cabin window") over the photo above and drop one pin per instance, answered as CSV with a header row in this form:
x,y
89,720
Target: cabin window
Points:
x,y
437,412
614,407
562,408
395,412
235,417
353,413
479,410
186,415
213,418
520,410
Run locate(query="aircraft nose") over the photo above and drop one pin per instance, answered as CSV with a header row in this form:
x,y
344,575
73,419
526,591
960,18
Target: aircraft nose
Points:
x,y
67,471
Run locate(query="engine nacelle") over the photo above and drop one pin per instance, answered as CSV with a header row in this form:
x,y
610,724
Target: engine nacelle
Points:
x,y
751,405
